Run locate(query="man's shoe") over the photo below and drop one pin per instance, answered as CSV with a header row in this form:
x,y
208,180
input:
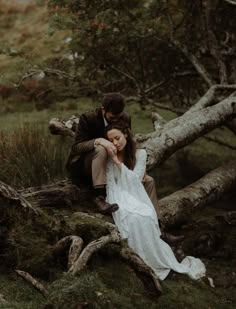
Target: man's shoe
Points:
x,y
104,207
171,239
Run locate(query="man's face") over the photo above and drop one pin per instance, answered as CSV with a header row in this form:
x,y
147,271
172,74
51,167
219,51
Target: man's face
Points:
x,y
110,117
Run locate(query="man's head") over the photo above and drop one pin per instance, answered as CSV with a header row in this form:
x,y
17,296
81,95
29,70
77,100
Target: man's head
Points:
x,y
113,105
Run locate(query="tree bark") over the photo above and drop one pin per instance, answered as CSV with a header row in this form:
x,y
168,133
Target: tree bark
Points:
x,y
177,207
59,194
37,285
10,196
81,262
183,130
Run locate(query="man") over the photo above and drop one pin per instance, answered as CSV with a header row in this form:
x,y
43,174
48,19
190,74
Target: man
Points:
x,y
89,153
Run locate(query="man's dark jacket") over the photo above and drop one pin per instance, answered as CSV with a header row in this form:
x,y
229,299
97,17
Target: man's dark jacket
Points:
x,y
91,126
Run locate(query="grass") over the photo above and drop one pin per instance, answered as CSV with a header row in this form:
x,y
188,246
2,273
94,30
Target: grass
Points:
x,y
107,288
18,293
38,157
31,45
29,156
26,113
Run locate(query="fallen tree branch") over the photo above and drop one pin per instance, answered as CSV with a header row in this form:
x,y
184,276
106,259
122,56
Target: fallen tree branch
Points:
x,y
74,243
75,250
178,206
92,247
125,252
183,130
38,286
66,128
61,193
10,195
138,264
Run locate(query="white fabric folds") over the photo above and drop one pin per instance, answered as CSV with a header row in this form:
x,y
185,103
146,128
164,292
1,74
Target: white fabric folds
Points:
x,y
137,221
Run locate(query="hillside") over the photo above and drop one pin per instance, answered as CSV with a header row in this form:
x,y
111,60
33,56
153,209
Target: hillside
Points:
x,y
26,38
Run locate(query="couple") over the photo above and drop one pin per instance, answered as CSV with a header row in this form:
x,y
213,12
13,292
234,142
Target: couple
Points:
x,y
122,189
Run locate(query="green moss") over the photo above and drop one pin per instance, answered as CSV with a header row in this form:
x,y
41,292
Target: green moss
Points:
x,y
18,293
106,284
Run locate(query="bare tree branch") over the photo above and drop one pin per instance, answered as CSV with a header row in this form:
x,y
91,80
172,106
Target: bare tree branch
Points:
x,y
38,286
9,194
127,75
92,247
209,96
182,130
59,127
74,243
196,63
213,45
233,2
178,111
158,121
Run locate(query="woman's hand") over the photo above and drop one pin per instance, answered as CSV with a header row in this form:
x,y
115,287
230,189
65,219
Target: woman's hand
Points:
x,y
144,177
113,155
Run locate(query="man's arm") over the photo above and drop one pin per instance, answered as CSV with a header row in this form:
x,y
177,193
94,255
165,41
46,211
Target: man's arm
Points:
x,y
83,142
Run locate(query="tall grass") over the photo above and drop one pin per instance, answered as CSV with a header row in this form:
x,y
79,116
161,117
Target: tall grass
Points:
x,y
29,156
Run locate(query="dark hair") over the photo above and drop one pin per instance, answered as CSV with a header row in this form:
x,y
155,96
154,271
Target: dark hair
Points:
x,y
130,148
113,102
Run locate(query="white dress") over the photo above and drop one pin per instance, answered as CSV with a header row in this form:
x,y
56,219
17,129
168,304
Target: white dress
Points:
x,y
137,221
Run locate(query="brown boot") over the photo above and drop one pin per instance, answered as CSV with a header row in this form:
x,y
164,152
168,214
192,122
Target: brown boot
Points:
x,y
104,207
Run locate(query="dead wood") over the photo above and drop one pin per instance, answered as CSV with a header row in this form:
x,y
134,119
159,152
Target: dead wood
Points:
x,y
125,252
3,301
94,246
11,196
178,206
74,243
38,286
61,127
139,265
59,194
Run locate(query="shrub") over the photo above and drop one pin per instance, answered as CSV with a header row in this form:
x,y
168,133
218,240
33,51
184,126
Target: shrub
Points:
x,y
6,91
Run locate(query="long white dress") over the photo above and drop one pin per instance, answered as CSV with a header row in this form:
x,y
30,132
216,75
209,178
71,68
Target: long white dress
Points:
x,y
137,221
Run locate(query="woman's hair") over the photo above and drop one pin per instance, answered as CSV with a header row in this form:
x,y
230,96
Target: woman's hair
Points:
x,y
130,148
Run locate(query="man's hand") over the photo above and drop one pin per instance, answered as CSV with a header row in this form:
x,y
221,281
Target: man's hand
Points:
x,y
110,148
144,177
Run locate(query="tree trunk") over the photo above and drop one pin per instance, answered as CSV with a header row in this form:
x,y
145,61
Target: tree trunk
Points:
x,y
177,207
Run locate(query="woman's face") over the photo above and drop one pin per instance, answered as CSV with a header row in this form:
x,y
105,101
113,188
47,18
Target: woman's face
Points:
x,y
118,138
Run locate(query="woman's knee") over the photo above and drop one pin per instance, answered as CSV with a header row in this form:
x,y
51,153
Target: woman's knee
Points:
x,y
149,181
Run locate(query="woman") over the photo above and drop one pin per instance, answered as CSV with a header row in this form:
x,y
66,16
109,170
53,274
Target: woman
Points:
x,y
136,217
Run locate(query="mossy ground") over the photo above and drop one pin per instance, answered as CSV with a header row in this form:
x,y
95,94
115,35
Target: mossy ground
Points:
x,y
108,282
